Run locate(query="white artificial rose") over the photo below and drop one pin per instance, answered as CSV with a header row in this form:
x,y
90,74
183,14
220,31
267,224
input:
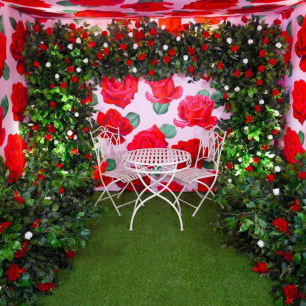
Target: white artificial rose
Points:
x,y
277,169
47,198
85,60
250,41
226,87
96,33
246,128
78,40
76,114
270,137
165,47
185,57
260,243
237,89
229,40
105,45
229,180
28,235
163,27
69,133
57,76
134,70
213,65
276,113
48,64
0,288
261,101
178,38
259,28
258,153
131,34
78,70
276,191
75,137
245,60
278,45
271,155
240,159
135,46
56,142
70,46
265,92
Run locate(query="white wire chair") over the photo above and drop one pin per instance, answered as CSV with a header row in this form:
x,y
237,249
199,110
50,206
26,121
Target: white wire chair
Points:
x,y
210,148
107,144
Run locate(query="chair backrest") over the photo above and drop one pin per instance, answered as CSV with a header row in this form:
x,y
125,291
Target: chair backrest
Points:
x,y
211,145
107,143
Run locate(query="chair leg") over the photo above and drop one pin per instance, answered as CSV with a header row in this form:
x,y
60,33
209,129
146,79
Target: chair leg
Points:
x,y
202,197
106,190
100,197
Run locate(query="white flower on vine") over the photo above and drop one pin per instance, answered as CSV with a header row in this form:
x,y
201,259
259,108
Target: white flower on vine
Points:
x,y
270,137
70,46
48,64
278,45
246,128
78,40
105,45
56,142
163,27
276,113
69,133
265,92
178,38
78,70
135,46
57,76
259,28
165,47
261,101
276,191
226,87
229,40
237,89
240,159
245,60
75,137
277,169
260,243
185,57
28,235
229,180
134,69
258,153
250,41
76,114
125,54
96,33
131,34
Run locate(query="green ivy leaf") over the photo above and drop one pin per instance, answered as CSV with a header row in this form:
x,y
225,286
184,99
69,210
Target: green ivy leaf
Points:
x,y
203,92
301,136
134,119
279,301
160,109
168,130
6,72
94,100
13,23
287,97
289,29
300,20
290,70
111,164
65,3
5,105
297,258
2,27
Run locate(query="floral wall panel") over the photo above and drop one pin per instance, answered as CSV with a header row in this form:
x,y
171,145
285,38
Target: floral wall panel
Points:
x,y
13,94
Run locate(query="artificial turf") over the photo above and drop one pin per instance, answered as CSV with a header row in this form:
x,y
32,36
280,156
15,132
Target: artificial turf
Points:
x,y
157,264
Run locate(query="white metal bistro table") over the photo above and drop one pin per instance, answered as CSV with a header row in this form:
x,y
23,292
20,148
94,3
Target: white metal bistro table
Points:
x,y
160,161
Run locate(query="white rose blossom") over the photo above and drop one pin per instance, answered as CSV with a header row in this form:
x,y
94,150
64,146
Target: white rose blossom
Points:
x,y
163,27
75,137
48,64
278,45
245,60
96,33
165,47
70,46
28,235
178,38
229,40
237,89
125,54
134,70
131,34
261,101
78,40
270,137
135,46
246,128
250,41
276,113
226,87
105,45
265,92
276,191
185,57
57,76
213,65
78,70
47,198
229,180
69,133
240,159
260,243
56,142
76,114
259,28
258,153
277,169
85,60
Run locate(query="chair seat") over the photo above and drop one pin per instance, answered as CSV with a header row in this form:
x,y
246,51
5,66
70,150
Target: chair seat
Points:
x,y
191,174
124,175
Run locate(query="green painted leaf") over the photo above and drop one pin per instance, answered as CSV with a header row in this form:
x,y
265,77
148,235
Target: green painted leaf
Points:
x,y
203,92
5,105
260,17
289,29
290,70
216,97
300,20
168,130
134,119
111,164
13,23
6,72
70,11
65,3
95,28
2,27
160,109
94,100
78,21
301,136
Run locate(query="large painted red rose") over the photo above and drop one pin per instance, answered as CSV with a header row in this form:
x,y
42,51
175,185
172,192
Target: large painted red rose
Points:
x,y
299,101
300,45
150,138
148,6
292,146
207,181
96,2
164,91
2,52
196,110
40,13
17,45
97,14
173,25
31,3
119,93
210,5
2,129
173,186
255,9
287,55
139,186
212,20
114,119
14,155
19,99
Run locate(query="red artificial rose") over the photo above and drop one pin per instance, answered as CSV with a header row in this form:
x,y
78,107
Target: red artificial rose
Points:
x,y
153,32
70,69
61,190
99,55
104,33
270,177
154,62
129,62
256,160
119,93
206,34
52,104
291,292
151,72
45,287
236,73
295,207
220,65
63,85
112,118
227,105
22,252
248,74
275,92
150,138
277,22
2,129
259,82
300,46
74,151
14,155
18,199
72,26
288,256
272,61
163,91
249,168
86,129
229,166
261,68
74,79
292,146
265,41
37,28
196,110
274,132
249,119
123,47
52,86
151,43
72,40
191,69
14,272
299,101
167,59
120,36
51,128
59,165
70,254
191,146
17,45
106,51
88,156
4,225
225,96
48,137
172,52
262,53
84,35
49,31
36,64
91,44
234,48
257,108
261,268
96,172
244,19
265,147
289,40
216,35
42,47
281,224
138,185
204,47
173,186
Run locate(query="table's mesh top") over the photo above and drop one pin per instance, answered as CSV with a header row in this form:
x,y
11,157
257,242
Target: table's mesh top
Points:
x,y
156,156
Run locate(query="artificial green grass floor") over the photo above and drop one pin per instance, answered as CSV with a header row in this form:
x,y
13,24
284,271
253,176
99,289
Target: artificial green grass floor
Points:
x,y
157,264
